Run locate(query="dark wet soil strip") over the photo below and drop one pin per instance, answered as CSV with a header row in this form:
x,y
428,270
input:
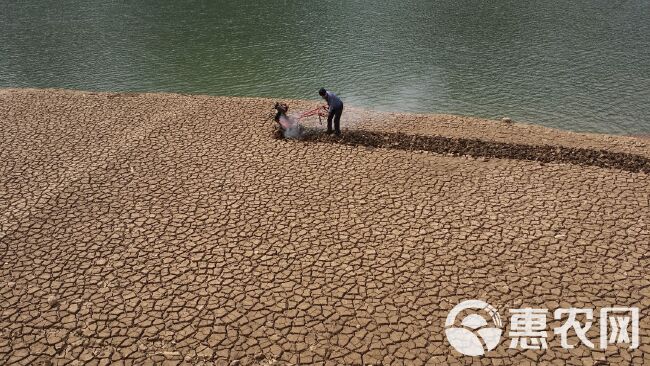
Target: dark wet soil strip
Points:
x,y
487,149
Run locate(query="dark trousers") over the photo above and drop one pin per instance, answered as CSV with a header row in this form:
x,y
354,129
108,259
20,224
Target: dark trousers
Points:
x,y
336,116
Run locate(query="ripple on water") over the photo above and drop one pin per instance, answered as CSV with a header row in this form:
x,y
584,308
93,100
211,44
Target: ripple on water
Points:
x,y
575,65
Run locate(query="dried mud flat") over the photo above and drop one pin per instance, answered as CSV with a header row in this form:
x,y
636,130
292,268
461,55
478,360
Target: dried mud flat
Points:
x,y
158,228
483,149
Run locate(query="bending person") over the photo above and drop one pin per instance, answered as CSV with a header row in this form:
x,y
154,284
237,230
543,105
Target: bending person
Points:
x,y
335,110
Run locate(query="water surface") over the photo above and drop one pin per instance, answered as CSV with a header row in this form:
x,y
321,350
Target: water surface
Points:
x,y
582,65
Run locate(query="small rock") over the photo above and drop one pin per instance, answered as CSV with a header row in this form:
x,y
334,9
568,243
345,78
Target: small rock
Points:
x,y
506,120
172,355
11,284
235,363
53,300
142,347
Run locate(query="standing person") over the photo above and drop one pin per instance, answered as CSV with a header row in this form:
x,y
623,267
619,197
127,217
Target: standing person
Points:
x,y
335,110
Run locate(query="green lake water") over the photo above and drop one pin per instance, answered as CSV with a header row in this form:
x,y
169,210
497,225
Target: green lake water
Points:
x,y
582,65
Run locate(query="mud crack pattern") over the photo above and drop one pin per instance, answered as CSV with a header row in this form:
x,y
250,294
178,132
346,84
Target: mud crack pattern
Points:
x,y
486,149
173,229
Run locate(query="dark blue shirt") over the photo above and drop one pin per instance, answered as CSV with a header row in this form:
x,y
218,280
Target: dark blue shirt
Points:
x,y
333,101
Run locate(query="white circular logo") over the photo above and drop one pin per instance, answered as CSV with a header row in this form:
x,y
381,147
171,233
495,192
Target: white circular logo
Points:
x,y
473,337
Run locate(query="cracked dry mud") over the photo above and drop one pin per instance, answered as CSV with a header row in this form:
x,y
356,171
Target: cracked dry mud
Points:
x,y
174,229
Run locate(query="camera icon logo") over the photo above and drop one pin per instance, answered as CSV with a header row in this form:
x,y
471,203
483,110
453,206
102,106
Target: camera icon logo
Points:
x,y
474,337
